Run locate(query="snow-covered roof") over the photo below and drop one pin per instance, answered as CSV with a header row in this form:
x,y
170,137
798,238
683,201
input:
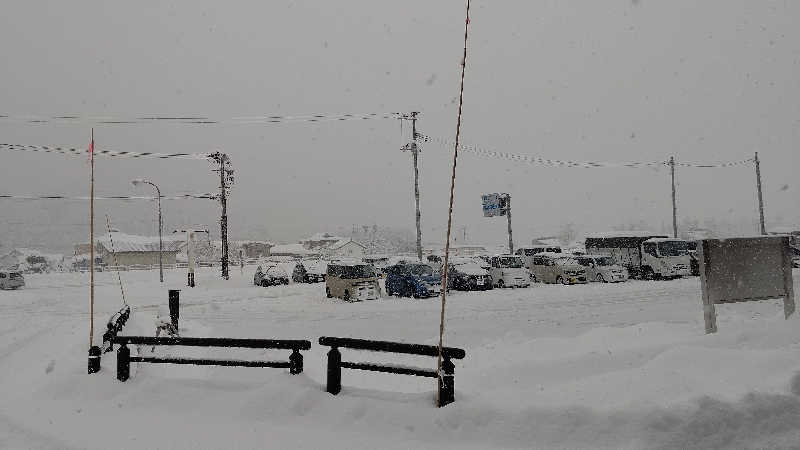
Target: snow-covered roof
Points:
x,y
290,249
131,243
547,242
324,237
659,239
342,242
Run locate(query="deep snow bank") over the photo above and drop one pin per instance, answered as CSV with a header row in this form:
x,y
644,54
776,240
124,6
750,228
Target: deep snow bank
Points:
x,y
624,366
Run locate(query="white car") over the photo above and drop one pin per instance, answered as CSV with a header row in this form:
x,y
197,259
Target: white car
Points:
x,y
509,271
602,269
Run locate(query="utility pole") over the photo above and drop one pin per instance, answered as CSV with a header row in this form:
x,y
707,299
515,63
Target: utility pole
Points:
x,y
674,201
760,198
414,149
508,215
225,176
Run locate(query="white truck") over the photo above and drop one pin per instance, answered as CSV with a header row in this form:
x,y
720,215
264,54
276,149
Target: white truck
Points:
x,y
646,256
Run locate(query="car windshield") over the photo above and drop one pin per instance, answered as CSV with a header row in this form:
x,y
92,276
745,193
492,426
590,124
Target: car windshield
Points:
x,y
510,261
566,262
584,261
358,271
422,270
673,248
605,261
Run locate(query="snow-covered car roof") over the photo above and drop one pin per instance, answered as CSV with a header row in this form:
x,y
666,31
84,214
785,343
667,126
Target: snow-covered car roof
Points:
x,y
624,234
348,262
470,268
659,239
551,254
394,260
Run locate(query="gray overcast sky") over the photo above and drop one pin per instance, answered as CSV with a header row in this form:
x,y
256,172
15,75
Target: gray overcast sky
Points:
x,y
617,80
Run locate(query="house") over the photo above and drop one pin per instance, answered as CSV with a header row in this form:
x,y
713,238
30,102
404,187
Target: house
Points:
x,y
120,249
252,249
345,248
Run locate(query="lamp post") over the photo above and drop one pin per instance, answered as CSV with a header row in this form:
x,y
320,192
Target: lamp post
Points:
x,y
137,182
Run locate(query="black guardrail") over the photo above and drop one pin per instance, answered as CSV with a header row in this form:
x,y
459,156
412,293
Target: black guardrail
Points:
x,y
114,326
335,363
124,358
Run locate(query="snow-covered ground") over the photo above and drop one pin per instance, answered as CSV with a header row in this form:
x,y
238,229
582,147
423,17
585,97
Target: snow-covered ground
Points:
x,y
551,366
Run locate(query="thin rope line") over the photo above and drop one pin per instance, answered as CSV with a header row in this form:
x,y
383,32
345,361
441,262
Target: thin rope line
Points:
x,y
450,213
116,263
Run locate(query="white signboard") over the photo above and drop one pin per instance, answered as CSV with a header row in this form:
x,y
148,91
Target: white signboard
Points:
x,y
744,270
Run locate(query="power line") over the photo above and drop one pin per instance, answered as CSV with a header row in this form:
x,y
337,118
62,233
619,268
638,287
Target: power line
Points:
x,y
112,197
72,151
193,119
492,154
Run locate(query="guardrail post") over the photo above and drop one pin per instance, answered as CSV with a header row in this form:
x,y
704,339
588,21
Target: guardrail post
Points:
x,y
94,359
174,307
123,363
446,387
295,362
334,371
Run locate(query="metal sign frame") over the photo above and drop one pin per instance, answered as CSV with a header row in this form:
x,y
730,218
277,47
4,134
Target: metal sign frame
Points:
x,y
743,270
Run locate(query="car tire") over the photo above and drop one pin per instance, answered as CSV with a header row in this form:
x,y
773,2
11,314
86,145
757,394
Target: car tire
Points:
x,y
500,284
560,280
264,283
533,278
328,293
648,274
600,278
389,291
346,296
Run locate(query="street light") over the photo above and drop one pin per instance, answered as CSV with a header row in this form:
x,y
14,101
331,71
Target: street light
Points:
x,y
137,182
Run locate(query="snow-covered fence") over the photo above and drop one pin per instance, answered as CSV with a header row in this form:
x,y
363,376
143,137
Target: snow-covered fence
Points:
x,y
124,358
335,363
114,326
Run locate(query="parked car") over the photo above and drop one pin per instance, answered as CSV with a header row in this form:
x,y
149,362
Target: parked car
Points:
x,y
309,272
602,269
271,276
556,268
466,275
379,262
509,271
412,280
527,253
483,261
11,279
351,281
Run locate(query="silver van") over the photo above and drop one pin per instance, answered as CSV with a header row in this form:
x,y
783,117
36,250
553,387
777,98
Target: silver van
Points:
x,y
351,281
602,268
549,267
11,280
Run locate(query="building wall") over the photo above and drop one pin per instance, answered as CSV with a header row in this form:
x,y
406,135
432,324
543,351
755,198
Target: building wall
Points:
x,y
349,250
138,258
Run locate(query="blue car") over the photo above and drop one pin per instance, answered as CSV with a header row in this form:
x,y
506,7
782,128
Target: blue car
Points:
x,y
409,279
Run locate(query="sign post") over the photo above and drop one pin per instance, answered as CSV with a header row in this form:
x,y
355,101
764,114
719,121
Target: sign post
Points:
x,y
744,270
499,205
